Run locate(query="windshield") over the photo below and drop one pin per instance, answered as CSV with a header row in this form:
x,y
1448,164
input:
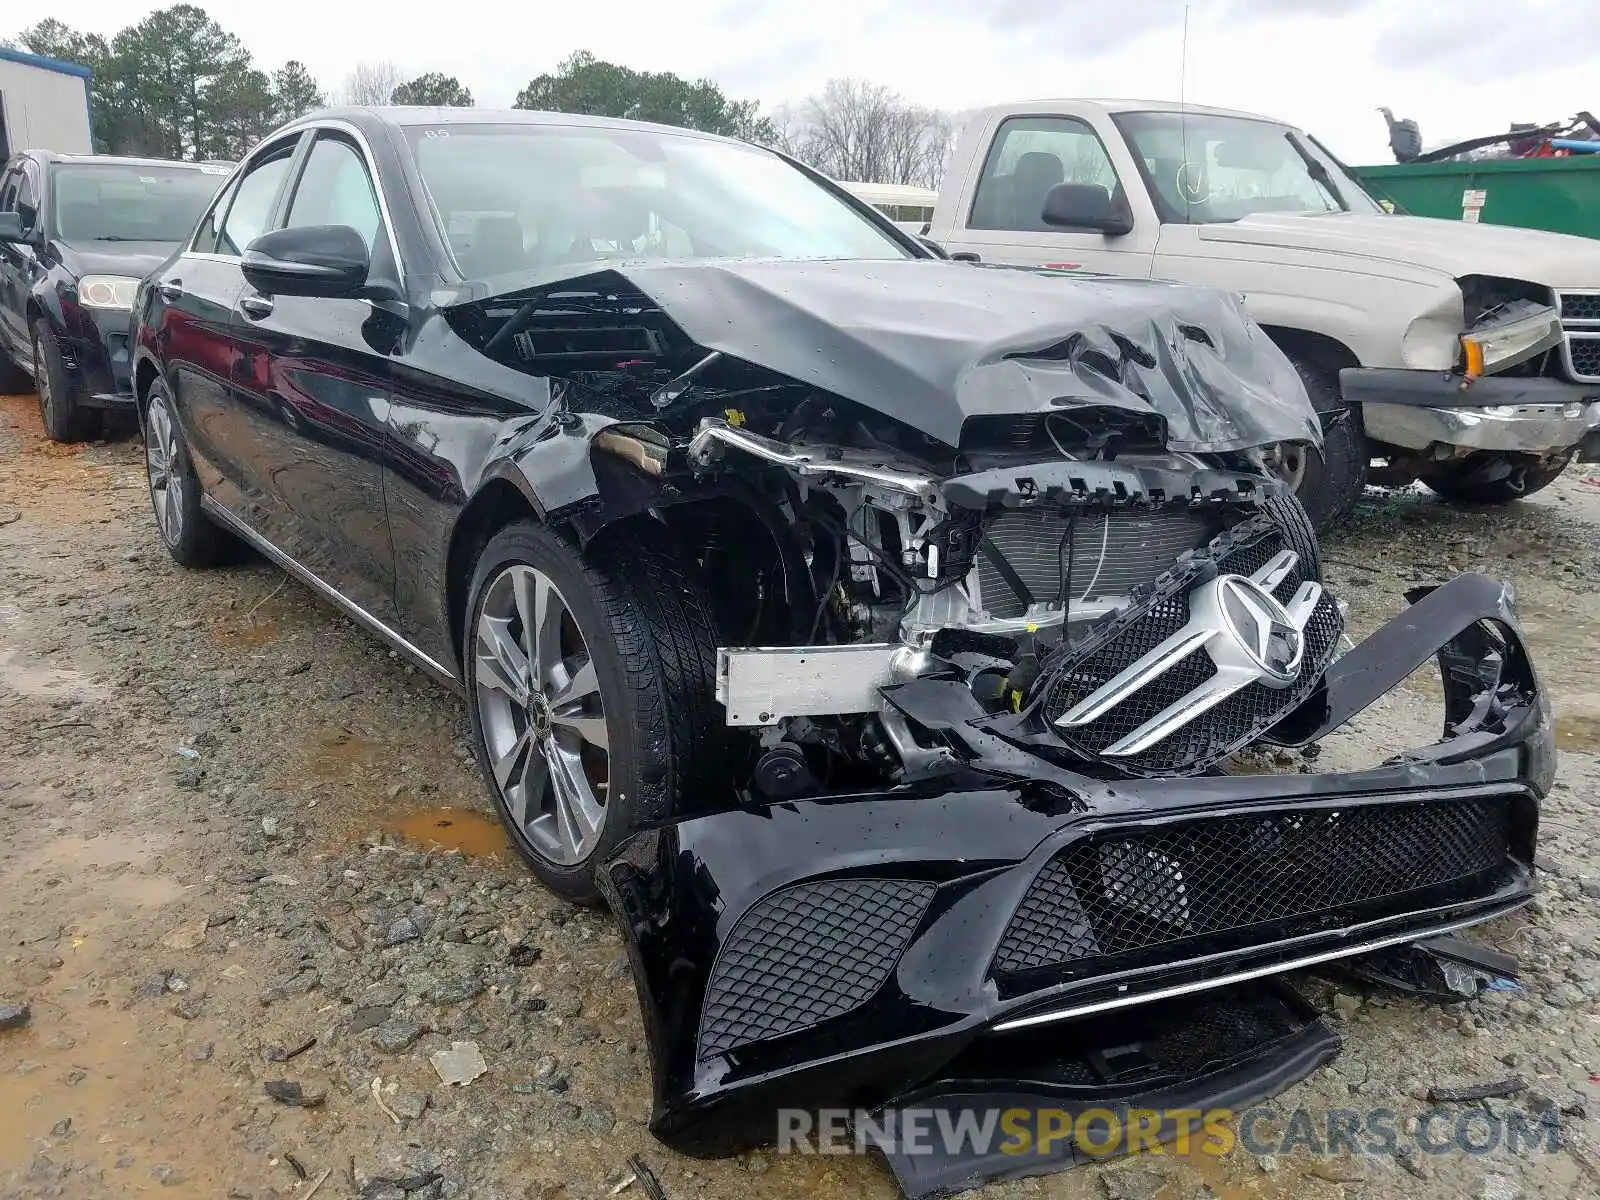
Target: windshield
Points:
x,y
530,197
1203,169
130,202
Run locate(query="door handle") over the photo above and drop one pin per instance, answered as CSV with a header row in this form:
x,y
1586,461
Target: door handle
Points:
x,y
255,306
170,289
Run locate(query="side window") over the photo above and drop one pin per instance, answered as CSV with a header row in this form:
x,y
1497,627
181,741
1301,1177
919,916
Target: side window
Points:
x,y
251,210
8,189
335,189
1030,156
210,232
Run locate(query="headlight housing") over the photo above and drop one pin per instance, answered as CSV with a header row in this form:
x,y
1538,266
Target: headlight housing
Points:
x,y
1520,332
107,291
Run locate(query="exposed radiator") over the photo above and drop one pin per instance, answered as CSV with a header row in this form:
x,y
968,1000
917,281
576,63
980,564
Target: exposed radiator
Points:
x,y
1112,553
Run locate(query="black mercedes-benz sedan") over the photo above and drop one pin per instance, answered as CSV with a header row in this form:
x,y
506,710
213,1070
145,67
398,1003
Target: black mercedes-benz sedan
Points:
x,y
877,634
77,234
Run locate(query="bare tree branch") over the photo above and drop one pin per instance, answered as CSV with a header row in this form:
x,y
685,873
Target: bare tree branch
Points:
x,y
371,83
862,131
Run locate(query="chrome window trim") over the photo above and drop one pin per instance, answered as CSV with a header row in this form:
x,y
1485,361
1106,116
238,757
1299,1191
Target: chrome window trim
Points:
x,y
328,591
365,149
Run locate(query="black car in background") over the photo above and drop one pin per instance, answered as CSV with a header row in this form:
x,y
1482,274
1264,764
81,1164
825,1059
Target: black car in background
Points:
x,y
77,233
875,633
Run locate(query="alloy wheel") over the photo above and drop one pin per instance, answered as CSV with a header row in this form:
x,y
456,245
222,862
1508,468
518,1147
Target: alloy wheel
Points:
x,y
161,464
542,715
1287,460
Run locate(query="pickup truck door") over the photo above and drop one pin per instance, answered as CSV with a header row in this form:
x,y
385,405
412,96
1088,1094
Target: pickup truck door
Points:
x,y
1000,196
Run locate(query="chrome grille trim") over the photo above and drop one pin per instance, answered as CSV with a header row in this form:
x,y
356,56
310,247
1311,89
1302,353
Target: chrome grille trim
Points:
x,y
1579,309
1207,630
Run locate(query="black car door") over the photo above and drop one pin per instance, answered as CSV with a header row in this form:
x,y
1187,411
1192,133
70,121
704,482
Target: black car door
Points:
x,y
16,273
313,375
193,299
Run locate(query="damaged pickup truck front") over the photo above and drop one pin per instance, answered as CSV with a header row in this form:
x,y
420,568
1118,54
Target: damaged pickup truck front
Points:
x,y
879,635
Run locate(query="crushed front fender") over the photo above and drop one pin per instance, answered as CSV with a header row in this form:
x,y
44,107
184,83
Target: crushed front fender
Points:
x,y
843,950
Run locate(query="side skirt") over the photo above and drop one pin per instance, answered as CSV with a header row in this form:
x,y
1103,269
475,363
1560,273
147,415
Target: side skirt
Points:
x,y
354,611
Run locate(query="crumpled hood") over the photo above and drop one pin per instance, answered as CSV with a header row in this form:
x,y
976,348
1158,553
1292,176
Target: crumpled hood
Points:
x,y
931,343
1454,248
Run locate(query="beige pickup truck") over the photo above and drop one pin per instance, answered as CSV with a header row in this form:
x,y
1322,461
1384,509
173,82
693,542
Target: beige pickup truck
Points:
x,y
1467,356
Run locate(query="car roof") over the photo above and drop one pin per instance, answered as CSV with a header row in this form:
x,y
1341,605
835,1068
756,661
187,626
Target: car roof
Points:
x,y
57,156
1126,106
403,116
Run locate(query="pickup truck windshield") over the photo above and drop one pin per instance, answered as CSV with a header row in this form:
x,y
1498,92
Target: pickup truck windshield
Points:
x,y
130,202
1203,168
530,197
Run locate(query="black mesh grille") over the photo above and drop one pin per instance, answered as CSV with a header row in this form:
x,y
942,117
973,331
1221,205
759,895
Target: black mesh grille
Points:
x,y
1578,306
1585,356
1120,893
1243,716
807,954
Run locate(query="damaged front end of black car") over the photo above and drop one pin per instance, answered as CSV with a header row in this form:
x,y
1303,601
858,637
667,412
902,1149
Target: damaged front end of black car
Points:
x,y
1004,589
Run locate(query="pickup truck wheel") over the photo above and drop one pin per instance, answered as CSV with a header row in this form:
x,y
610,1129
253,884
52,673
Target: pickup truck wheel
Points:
x,y
590,679
189,535
1487,478
1330,483
65,420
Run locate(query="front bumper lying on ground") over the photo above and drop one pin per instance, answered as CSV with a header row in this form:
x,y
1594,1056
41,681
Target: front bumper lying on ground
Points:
x,y
843,950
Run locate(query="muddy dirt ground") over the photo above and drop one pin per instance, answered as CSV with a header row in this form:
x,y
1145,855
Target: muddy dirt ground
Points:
x,y
241,844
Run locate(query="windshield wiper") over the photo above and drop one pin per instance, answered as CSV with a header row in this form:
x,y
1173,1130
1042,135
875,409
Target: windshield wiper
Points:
x,y
1317,171
112,237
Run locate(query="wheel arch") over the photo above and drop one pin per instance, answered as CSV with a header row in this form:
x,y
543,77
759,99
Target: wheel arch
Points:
x,y
505,498
1317,349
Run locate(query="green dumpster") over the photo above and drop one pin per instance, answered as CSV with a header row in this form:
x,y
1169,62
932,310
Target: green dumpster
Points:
x,y
1561,195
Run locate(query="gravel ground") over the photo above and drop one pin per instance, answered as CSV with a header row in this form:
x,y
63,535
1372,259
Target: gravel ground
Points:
x,y
241,847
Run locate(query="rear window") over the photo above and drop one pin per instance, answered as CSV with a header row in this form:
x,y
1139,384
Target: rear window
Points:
x,y
125,202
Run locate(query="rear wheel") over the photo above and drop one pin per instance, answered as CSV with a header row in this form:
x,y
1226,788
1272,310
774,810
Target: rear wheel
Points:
x,y
190,536
65,420
1488,478
590,682
1329,483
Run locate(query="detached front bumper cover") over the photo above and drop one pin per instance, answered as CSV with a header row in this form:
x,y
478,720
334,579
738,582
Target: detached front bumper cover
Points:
x,y
845,950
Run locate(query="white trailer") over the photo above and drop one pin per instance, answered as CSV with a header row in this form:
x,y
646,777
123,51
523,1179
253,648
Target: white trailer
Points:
x,y
44,104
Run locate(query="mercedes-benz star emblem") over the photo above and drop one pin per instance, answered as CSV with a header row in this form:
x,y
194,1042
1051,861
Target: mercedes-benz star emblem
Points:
x,y
1261,627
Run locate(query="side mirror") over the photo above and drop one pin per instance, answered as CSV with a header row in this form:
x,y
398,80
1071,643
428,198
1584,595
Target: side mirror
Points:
x,y
11,227
1084,206
314,260
931,246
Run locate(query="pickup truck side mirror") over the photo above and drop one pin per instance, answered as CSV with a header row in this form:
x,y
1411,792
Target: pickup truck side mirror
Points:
x,y
932,246
1084,206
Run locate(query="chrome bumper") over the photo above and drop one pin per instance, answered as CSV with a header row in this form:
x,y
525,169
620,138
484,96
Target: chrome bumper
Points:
x,y
1528,428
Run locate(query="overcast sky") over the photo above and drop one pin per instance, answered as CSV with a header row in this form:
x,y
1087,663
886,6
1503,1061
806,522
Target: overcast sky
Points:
x,y
1459,68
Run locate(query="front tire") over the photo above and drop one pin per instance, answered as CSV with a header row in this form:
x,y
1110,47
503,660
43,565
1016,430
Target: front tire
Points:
x,y
1490,478
65,420
590,681
1330,484
188,534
